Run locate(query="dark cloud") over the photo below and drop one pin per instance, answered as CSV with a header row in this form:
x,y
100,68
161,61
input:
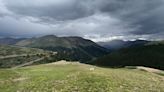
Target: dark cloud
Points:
x,y
93,19
53,9
147,14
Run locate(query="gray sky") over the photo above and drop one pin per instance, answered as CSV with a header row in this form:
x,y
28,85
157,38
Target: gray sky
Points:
x,y
98,20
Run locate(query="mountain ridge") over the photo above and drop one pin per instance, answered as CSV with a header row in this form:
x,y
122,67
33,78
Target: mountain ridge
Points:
x,y
10,40
119,44
149,55
69,48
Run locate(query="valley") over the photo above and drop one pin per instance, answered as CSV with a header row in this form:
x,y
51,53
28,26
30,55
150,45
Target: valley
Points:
x,y
73,64
81,46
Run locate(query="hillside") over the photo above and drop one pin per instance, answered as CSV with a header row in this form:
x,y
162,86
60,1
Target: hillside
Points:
x,y
75,77
150,55
15,50
12,56
68,48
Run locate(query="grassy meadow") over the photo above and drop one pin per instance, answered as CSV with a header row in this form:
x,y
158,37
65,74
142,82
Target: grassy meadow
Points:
x,y
75,77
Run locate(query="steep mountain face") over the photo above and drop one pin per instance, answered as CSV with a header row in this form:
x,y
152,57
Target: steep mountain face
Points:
x,y
119,44
149,55
10,41
69,48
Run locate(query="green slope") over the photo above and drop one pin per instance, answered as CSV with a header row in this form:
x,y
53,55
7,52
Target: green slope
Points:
x,y
11,56
15,50
78,78
148,55
68,48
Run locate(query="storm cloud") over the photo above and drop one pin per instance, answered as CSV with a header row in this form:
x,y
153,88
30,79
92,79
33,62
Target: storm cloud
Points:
x,y
98,20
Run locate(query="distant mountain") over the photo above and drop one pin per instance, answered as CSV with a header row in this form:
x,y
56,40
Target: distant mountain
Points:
x,y
10,41
69,48
119,44
149,55
113,45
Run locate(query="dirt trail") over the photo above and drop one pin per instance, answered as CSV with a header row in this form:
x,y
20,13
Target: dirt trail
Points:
x,y
152,70
13,56
62,62
28,63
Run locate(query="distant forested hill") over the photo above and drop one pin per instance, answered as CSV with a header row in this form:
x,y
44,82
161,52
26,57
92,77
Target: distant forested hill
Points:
x,y
150,55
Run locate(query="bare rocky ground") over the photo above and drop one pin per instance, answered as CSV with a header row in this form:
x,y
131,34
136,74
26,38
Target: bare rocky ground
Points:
x,y
63,62
152,70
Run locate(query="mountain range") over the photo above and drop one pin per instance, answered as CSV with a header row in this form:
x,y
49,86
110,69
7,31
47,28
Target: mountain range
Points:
x,y
119,44
10,41
116,53
68,48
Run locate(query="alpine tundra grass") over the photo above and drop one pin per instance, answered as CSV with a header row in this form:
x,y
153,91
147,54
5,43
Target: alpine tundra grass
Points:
x,y
76,77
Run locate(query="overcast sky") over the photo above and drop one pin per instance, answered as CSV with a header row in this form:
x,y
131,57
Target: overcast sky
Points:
x,y
98,20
